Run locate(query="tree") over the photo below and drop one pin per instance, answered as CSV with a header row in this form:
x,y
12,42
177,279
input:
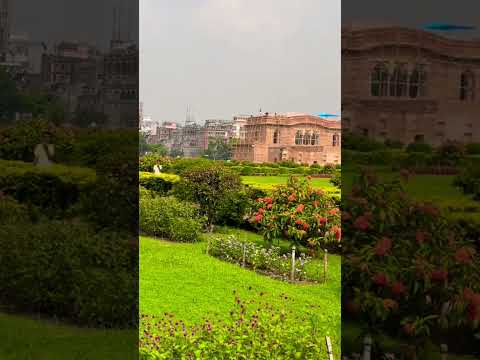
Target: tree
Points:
x,y
158,149
9,100
85,118
218,149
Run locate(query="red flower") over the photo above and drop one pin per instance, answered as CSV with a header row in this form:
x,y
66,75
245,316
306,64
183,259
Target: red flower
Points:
x,y
409,328
333,211
398,288
464,255
383,246
316,203
299,222
439,274
468,294
306,226
337,231
322,220
300,208
258,217
260,200
269,206
319,192
420,237
380,279
261,211
268,200
361,223
292,198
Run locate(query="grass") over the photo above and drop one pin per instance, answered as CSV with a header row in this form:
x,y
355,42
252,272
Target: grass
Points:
x,y
269,182
182,279
26,339
437,189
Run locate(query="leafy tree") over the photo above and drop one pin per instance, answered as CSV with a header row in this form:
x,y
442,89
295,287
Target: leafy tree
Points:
x,y
218,149
158,149
209,187
176,152
8,97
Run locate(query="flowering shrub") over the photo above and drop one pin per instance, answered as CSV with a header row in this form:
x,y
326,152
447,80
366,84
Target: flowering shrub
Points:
x,y
299,213
405,266
253,331
259,258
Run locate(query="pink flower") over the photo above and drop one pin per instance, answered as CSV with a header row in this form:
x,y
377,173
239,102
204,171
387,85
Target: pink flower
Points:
x,y
333,211
398,288
361,223
464,255
380,279
440,274
300,208
258,217
383,246
269,206
292,198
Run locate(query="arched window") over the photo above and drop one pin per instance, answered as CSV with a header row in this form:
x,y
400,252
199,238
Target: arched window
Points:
x,y
298,138
313,139
399,81
276,135
467,86
335,140
417,82
379,80
306,138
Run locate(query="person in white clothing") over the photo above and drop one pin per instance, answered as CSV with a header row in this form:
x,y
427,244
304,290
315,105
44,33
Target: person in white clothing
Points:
x,y
157,169
43,154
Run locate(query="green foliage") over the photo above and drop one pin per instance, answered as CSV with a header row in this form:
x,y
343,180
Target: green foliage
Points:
x,y
160,183
69,271
403,261
266,260
148,161
336,180
353,141
469,181
54,189
210,187
420,147
218,149
254,330
299,213
473,148
169,218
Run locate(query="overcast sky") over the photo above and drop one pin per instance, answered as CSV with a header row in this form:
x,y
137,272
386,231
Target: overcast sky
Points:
x,y
227,57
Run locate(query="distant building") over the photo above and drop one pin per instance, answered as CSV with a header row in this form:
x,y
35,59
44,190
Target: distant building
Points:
x,y
222,130
410,85
301,138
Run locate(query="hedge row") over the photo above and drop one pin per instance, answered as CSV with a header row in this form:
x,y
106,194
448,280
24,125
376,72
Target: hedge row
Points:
x,y
67,270
160,183
54,188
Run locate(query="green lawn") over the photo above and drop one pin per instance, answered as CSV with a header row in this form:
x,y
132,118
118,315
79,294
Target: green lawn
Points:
x,y
26,339
268,182
437,189
182,279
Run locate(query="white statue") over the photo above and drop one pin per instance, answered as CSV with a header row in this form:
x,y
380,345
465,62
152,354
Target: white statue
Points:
x,y
43,154
157,169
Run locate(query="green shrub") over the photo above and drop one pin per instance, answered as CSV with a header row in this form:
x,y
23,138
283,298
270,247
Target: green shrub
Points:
x,y
160,183
473,148
70,271
210,187
420,147
169,218
12,212
147,162
54,189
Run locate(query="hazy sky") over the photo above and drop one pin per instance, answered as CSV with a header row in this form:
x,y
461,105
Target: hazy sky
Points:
x,y
227,57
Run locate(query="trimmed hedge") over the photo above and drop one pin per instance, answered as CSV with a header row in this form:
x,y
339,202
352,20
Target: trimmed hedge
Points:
x,y
169,218
70,271
54,188
159,183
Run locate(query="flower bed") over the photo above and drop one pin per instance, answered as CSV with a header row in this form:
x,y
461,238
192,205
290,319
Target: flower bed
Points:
x,y
267,261
254,330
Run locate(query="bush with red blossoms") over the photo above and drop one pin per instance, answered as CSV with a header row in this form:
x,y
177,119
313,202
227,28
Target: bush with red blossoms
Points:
x,y
407,270
300,213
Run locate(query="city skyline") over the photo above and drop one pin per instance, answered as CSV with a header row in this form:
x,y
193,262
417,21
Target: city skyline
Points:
x,y
237,57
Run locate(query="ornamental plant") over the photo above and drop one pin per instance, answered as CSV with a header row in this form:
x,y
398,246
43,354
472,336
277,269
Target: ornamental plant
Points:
x,y
254,330
407,270
300,213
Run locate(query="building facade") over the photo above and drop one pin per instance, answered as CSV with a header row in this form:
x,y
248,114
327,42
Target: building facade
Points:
x,y
410,85
301,138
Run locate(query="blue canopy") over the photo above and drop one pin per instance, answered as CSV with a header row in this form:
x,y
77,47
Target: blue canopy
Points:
x,y
325,115
448,27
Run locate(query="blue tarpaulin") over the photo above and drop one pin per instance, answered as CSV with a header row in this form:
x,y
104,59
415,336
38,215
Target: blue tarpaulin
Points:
x,y
448,27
